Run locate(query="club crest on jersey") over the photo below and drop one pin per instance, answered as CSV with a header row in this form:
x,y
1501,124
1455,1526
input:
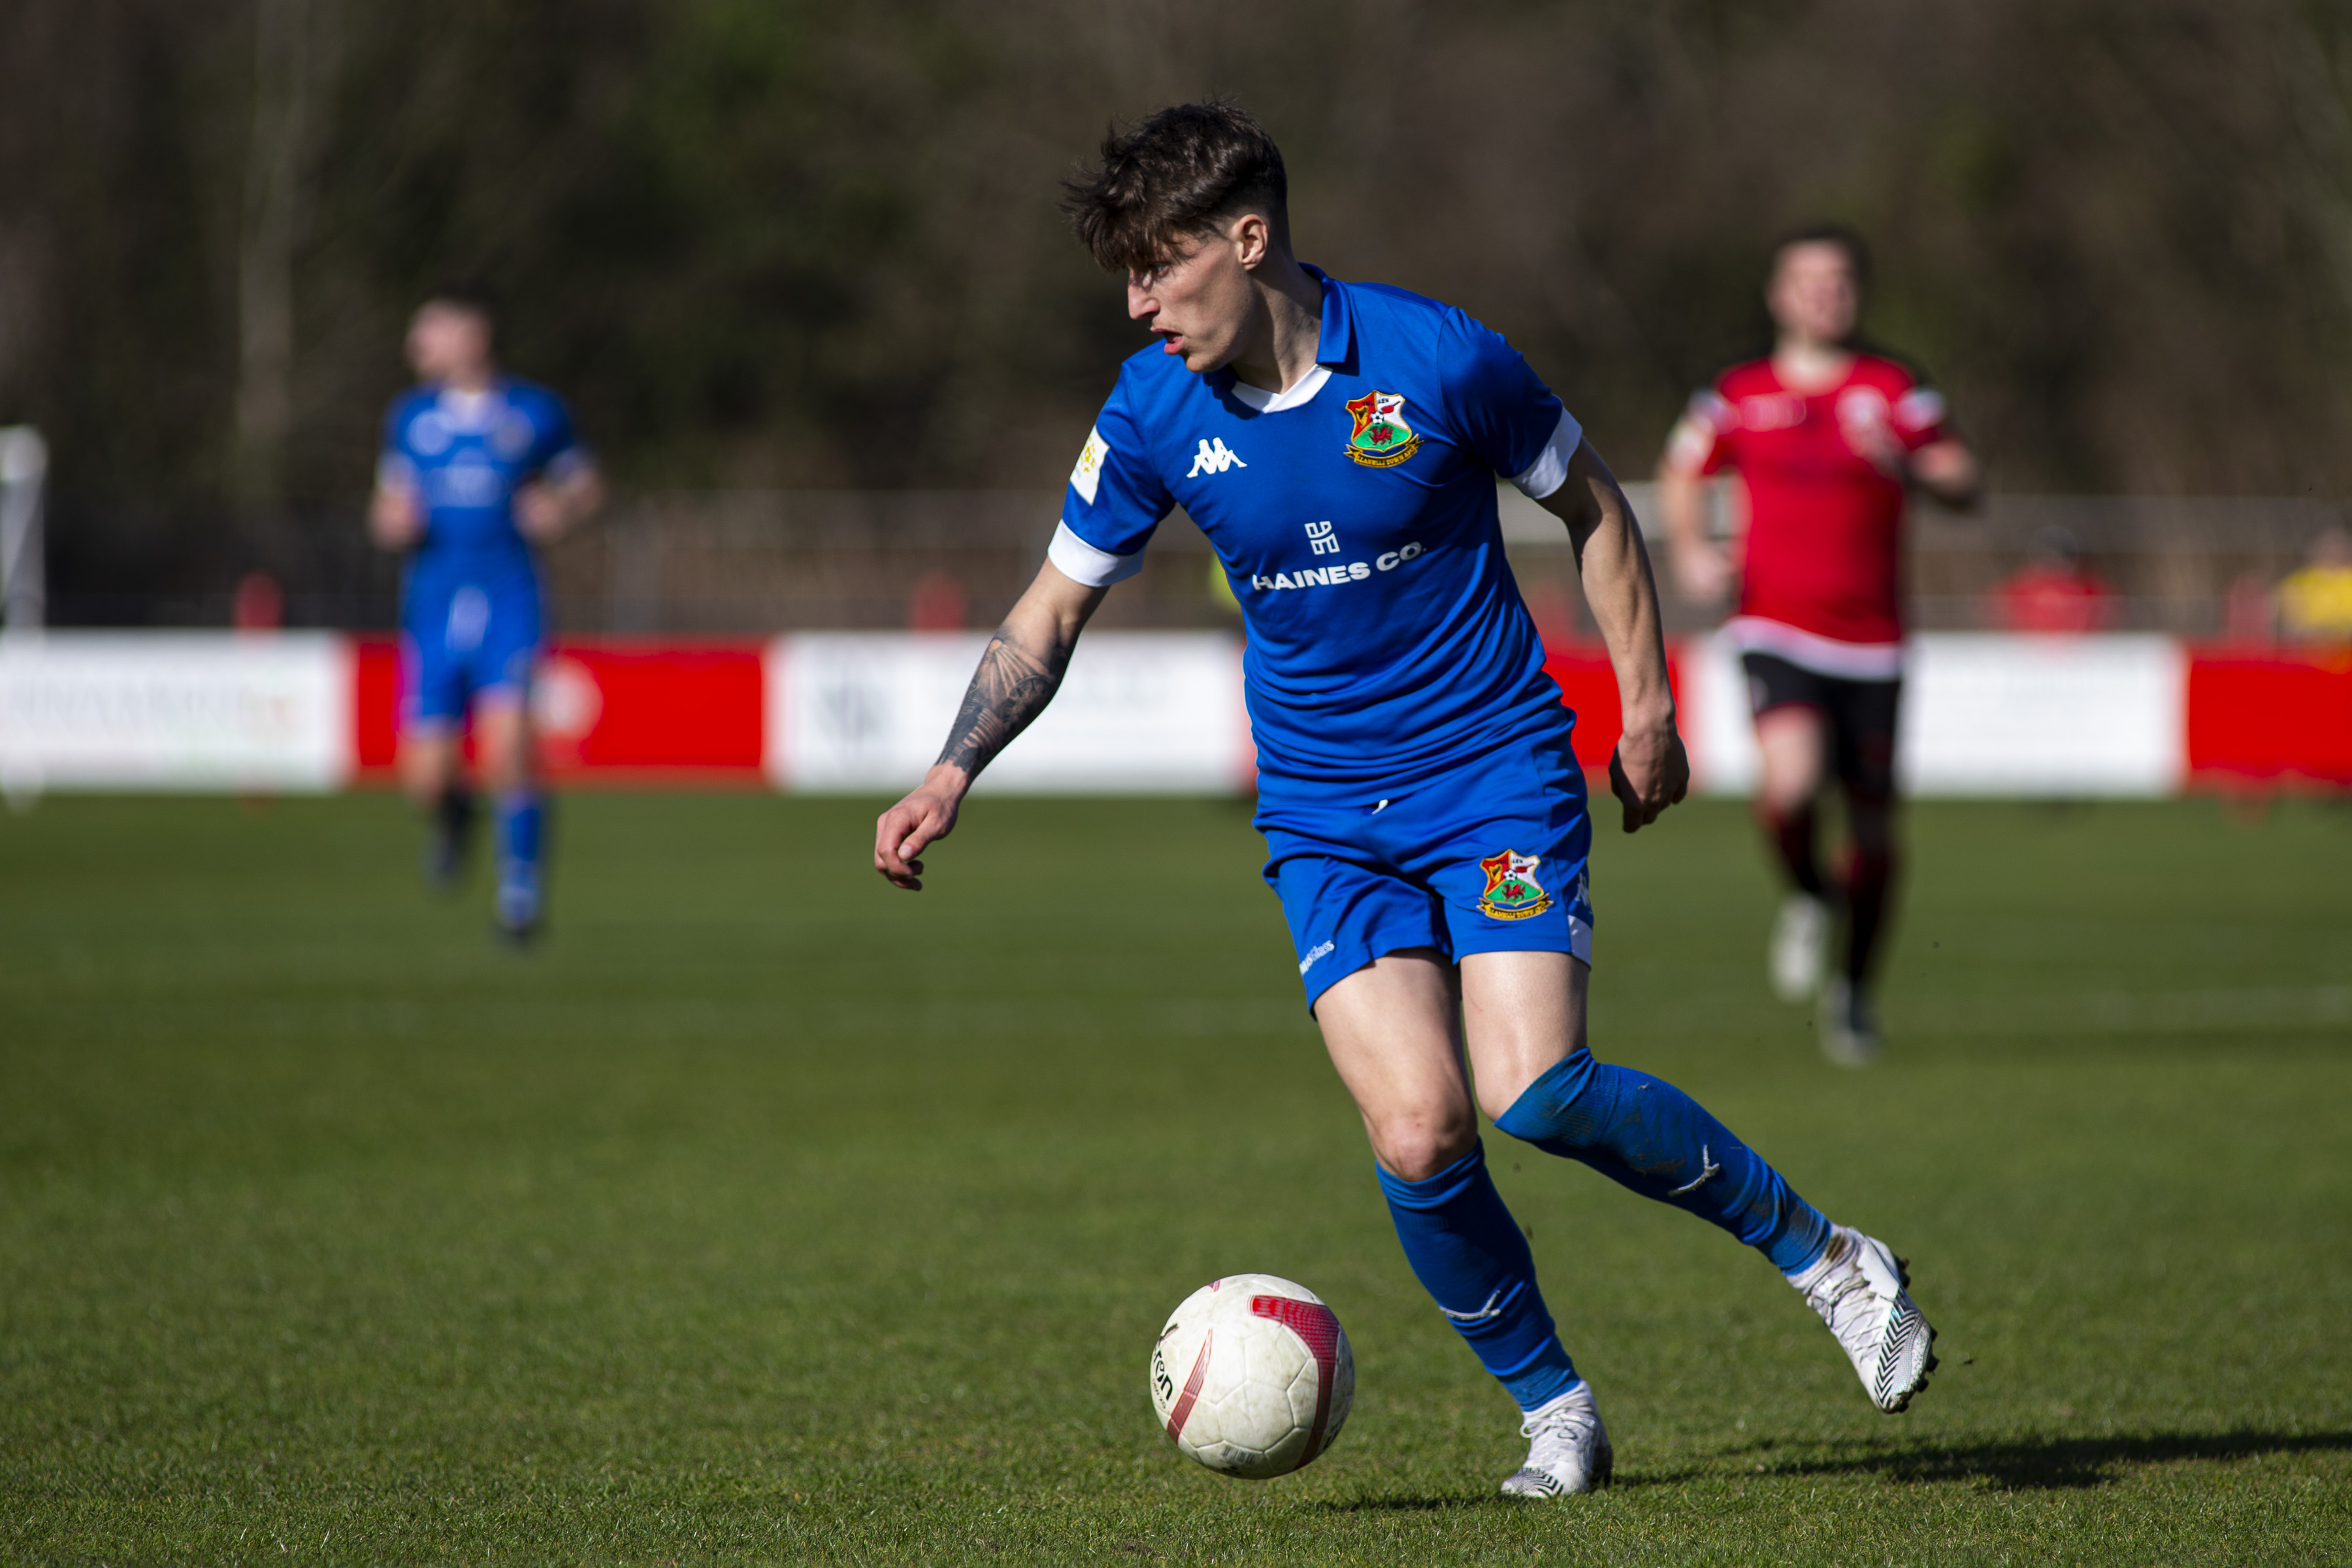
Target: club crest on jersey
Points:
x,y
1381,439
1512,892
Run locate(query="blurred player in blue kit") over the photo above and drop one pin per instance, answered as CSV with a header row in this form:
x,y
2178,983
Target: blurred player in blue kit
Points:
x,y
1423,811
478,468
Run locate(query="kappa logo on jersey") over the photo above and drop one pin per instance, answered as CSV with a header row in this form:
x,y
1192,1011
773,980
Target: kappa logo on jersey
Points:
x,y
1512,892
1214,458
1381,438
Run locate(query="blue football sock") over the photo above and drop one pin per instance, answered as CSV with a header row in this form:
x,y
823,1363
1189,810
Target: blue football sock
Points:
x,y
520,821
1468,1253
1645,1134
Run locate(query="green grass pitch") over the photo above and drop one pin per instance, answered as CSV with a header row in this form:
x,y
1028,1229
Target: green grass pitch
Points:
x,y
766,1214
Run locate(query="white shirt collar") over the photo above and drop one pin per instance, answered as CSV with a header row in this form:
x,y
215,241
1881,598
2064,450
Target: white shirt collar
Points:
x,y
468,410
1303,390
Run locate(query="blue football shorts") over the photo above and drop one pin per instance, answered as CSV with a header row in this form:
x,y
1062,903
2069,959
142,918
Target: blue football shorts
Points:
x,y
461,641
1491,858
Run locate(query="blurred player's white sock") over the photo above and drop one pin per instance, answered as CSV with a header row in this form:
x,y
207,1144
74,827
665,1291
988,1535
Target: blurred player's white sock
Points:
x,y
1801,935
1849,1025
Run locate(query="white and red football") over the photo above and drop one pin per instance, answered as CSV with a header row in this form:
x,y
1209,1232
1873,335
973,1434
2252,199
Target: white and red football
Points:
x,y
1253,1377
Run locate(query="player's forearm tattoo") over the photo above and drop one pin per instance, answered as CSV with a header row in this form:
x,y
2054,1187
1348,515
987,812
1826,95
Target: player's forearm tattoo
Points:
x,y
1010,687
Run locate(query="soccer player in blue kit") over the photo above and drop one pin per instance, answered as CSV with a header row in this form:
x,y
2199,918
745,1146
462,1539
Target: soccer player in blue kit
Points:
x,y
478,467
1424,814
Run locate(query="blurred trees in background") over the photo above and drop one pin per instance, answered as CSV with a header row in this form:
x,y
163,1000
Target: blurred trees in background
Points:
x,y
771,243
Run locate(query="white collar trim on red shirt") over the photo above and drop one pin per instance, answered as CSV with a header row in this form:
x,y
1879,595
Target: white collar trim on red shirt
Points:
x,y
1811,650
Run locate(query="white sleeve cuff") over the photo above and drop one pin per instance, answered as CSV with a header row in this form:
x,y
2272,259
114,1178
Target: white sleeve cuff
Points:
x,y
1550,470
1082,563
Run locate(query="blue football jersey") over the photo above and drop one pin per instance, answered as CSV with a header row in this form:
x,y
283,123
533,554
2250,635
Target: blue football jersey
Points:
x,y
1355,517
464,455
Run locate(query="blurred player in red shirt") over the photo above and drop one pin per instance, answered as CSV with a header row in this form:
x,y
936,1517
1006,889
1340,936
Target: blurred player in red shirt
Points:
x,y
2053,591
1828,440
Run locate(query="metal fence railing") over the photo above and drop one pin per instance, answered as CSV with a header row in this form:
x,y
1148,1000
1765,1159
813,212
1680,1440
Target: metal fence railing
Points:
x,y
741,563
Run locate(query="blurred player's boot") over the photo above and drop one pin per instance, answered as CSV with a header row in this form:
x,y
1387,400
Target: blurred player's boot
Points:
x,y
518,905
1849,1025
1568,1448
451,837
1860,1289
1800,936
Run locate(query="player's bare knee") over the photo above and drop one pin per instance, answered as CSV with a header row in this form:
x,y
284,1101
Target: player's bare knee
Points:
x,y
424,769
502,775
506,757
1417,1148
1788,791
1499,1094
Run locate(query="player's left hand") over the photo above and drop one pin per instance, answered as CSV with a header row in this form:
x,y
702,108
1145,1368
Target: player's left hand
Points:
x,y
540,510
927,816
1648,773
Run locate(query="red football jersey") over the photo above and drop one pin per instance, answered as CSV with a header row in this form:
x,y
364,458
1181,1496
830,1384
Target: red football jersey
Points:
x,y
1823,474
2053,599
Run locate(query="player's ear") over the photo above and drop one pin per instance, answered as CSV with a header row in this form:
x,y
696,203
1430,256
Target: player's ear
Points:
x,y
1253,239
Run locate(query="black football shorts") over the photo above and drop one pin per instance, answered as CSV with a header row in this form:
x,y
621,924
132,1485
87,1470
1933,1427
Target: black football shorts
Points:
x,y
1860,715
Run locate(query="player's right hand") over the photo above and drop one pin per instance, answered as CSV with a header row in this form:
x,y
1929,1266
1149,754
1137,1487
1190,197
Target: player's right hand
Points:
x,y
540,512
1702,573
395,520
923,818
1648,772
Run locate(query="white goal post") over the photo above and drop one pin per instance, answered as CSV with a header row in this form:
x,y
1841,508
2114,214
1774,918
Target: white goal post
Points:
x,y
24,469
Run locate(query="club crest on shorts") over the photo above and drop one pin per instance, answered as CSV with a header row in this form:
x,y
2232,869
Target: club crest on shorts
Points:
x,y
1381,439
1512,892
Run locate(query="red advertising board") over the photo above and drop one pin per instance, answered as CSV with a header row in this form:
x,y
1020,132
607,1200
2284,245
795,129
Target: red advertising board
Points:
x,y
1588,686
678,712
2270,714
612,710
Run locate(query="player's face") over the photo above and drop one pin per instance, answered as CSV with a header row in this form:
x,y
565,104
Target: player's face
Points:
x,y
1198,302
446,344
1814,293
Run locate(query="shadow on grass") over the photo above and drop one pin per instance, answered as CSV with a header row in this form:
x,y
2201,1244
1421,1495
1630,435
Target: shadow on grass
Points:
x,y
2031,1464
1494,1500
2050,1463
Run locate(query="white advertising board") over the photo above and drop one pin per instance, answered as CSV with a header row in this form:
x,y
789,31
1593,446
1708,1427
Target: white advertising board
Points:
x,y
1985,715
1993,714
175,711
1715,724
1145,712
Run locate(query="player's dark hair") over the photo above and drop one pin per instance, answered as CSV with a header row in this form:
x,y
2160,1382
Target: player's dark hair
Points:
x,y
1856,248
470,295
1182,171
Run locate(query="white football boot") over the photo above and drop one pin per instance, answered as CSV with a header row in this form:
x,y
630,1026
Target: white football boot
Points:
x,y
1860,1289
1850,1034
1800,936
1568,1448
